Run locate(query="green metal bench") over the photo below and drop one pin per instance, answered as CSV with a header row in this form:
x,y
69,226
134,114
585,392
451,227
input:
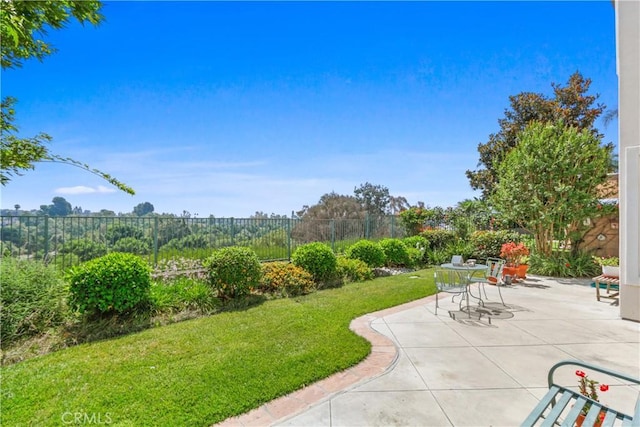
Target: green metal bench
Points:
x,y
562,406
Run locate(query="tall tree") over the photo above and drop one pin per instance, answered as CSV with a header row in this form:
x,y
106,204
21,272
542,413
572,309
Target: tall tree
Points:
x,y
316,221
374,199
398,204
142,209
548,183
59,207
23,26
333,206
570,103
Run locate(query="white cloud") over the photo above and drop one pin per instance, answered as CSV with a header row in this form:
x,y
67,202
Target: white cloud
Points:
x,y
83,189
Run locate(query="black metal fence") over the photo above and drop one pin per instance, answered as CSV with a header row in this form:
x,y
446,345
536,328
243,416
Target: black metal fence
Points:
x,y
68,241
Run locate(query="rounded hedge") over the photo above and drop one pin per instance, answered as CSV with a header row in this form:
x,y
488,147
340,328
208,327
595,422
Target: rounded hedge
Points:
x,y
417,242
395,252
318,259
418,247
285,279
354,270
116,282
233,271
367,251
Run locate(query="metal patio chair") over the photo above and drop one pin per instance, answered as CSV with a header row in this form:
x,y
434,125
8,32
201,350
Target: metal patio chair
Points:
x,y
493,276
452,282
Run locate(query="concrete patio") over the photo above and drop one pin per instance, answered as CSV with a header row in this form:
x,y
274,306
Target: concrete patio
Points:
x,y
431,370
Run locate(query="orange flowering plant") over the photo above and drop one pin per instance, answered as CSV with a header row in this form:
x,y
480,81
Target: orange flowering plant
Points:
x,y
514,253
588,387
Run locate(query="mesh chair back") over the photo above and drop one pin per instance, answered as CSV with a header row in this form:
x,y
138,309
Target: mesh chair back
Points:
x,y
450,280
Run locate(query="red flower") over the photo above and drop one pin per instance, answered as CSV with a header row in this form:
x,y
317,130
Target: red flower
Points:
x,y
604,387
581,374
567,265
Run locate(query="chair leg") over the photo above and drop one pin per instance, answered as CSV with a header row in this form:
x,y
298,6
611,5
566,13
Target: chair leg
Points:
x,y
500,293
484,290
437,303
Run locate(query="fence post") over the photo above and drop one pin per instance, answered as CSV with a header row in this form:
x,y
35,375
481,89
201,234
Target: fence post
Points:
x,y
366,225
333,235
233,232
155,241
392,225
46,238
289,220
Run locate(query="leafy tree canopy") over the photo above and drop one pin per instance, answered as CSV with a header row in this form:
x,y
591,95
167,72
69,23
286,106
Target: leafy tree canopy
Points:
x,y
397,204
367,199
375,199
264,215
570,103
59,207
23,25
333,206
548,183
142,209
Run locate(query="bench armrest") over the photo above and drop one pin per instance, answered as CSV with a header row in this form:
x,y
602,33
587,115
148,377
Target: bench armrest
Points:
x,y
558,398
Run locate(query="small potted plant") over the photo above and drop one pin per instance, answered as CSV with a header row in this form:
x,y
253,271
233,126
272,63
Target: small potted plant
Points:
x,y
610,265
514,254
588,389
523,267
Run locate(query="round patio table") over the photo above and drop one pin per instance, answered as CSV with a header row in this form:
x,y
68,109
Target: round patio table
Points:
x,y
470,270
465,267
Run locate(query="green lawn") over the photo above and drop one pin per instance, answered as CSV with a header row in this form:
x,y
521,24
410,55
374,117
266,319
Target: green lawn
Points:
x,y
202,371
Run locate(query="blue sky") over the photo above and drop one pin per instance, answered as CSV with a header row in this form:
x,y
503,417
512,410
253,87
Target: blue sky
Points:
x,y
228,108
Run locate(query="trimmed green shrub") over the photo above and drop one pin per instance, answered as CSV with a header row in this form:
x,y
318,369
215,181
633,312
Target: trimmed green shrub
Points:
x,y
395,253
439,239
33,299
114,283
318,259
285,279
417,242
489,243
367,251
353,270
416,257
233,271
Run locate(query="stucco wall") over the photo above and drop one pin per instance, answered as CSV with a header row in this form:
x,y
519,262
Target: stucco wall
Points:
x,y
628,67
